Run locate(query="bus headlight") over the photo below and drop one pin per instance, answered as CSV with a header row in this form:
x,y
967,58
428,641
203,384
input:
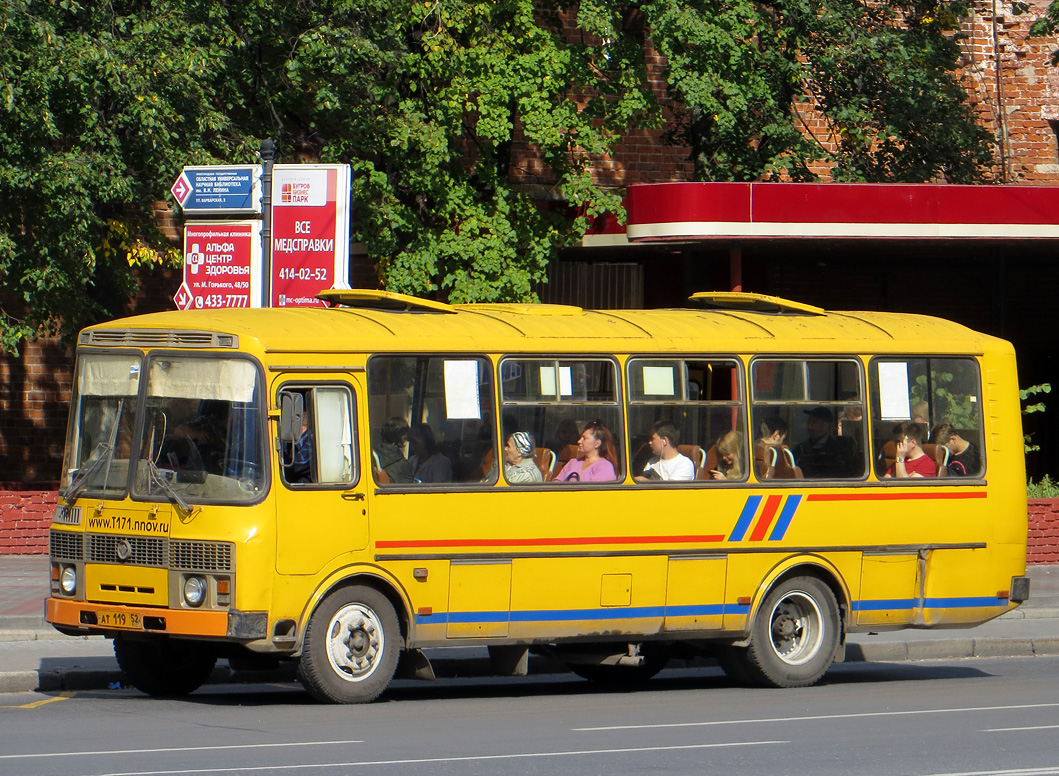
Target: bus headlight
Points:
x,y
68,580
194,591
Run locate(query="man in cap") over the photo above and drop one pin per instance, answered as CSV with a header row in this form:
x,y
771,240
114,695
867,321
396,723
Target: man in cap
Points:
x,y
822,455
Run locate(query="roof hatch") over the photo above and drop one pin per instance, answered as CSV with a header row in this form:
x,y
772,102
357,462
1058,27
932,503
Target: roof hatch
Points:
x,y
372,299
752,303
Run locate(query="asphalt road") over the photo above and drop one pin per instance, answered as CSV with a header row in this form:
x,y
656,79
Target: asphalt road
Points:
x,y
977,716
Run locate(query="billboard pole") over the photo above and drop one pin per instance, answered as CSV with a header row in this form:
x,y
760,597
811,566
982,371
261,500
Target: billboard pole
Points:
x,y
267,153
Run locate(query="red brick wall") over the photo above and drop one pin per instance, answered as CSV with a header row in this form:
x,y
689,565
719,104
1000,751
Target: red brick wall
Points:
x,y
34,392
24,519
1043,546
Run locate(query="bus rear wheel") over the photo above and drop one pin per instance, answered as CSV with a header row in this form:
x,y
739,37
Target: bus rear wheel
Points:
x,y
794,636
162,666
351,646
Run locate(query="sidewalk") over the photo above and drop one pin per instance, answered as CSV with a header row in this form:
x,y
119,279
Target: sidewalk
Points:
x,y
34,656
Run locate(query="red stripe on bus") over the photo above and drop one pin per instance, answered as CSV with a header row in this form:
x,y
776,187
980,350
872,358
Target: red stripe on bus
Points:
x,y
924,496
772,505
544,542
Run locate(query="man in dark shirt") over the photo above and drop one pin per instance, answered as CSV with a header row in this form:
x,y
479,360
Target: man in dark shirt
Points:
x,y
964,458
823,455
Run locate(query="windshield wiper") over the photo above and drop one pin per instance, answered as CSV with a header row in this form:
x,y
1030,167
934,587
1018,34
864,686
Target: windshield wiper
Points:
x,y
154,475
102,453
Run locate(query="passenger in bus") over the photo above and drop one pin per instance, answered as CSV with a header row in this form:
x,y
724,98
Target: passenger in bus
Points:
x,y
596,461
389,451
920,412
773,432
301,467
822,455
729,457
428,464
205,435
565,434
519,466
911,461
667,463
964,458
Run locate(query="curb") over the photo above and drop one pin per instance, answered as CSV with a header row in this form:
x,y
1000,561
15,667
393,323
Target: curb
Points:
x,y
950,649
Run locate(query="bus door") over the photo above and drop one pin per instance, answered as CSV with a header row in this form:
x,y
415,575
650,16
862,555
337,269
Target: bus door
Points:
x,y
321,509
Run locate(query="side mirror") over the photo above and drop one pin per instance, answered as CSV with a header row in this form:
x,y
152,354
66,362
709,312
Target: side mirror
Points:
x,y
291,412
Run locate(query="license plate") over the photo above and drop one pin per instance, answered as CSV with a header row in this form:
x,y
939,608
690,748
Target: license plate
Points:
x,y
111,619
67,515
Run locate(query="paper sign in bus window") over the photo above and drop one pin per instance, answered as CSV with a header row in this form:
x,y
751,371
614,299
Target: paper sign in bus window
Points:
x,y
659,381
462,400
548,381
893,391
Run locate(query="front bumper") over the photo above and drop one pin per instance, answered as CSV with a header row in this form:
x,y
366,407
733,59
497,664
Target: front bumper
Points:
x,y
83,617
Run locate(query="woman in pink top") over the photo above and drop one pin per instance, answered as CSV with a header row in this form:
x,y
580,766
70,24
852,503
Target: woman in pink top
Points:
x,y
597,461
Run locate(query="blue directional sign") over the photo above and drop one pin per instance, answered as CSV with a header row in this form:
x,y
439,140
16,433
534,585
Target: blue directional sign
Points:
x,y
219,189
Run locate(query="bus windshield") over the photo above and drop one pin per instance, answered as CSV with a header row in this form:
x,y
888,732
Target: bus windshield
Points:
x,y
201,438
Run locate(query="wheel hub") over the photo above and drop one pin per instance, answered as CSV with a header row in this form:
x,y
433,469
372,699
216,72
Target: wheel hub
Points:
x,y
784,627
355,642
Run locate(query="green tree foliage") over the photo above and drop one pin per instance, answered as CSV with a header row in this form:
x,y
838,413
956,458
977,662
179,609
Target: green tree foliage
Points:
x,y
880,75
1026,395
458,117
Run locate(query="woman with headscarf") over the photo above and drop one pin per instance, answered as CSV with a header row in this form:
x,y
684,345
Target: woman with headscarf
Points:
x,y
519,466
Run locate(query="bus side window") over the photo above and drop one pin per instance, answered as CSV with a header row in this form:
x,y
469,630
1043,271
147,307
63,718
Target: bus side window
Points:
x,y
702,399
323,452
431,418
809,418
943,396
552,401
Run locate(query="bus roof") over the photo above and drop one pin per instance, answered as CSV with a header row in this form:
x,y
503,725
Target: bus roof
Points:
x,y
379,322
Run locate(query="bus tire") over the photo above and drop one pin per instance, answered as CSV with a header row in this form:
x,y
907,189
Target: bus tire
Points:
x,y
795,634
351,646
162,666
734,662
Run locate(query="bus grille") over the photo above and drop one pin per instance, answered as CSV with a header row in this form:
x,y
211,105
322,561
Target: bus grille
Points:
x,y
64,545
142,550
201,556
148,338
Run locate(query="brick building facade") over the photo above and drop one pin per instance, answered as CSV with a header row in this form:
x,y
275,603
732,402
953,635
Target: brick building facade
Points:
x,y
1010,83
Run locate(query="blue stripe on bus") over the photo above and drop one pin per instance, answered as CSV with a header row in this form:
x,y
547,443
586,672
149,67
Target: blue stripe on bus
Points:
x,y
745,519
964,603
573,615
883,604
969,602
691,610
790,506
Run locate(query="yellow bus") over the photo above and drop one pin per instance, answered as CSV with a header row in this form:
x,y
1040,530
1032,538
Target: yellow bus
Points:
x,y
749,479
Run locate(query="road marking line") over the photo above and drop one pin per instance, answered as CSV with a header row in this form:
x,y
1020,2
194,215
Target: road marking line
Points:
x,y
1050,770
37,704
1034,727
430,760
174,749
815,717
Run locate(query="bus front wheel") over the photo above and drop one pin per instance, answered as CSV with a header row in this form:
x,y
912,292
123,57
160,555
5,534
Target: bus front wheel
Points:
x,y
794,636
351,646
162,666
